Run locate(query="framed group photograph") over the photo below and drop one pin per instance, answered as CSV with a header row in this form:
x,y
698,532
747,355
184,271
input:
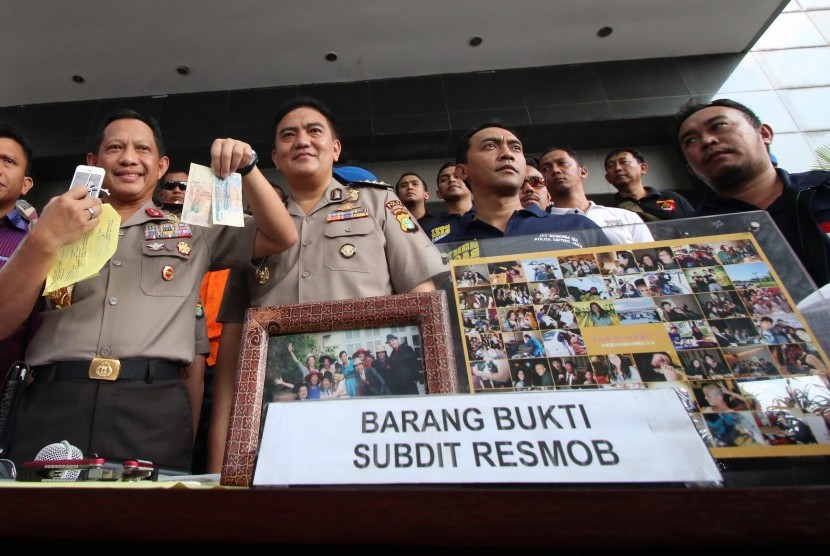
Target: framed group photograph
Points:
x,y
324,351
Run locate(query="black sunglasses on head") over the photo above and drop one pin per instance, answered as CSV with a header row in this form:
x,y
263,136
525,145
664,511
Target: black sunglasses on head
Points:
x,y
170,185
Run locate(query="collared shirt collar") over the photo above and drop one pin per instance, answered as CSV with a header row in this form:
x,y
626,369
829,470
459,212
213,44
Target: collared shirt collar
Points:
x,y
17,221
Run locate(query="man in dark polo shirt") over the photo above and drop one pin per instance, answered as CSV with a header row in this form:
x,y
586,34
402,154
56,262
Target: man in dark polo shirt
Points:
x,y
727,147
491,160
624,169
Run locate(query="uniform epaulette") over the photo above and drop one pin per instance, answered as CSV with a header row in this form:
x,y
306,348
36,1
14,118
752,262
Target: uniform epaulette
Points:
x,y
378,184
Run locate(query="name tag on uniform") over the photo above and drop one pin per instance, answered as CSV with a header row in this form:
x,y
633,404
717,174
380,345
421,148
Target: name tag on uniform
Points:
x,y
347,215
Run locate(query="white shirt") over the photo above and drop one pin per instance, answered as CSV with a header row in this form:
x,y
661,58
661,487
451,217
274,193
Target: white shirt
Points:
x,y
621,226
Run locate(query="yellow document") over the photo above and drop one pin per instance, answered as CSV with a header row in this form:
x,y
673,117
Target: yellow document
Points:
x,y
87,256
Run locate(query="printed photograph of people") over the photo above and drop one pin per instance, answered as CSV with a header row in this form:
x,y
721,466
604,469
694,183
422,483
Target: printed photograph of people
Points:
x,y
578,266
331,365
589,288
471,275
711,279
560,342
541,270
765,301
678,308
750,362
547,291
667,282
596,313
736,428
509,272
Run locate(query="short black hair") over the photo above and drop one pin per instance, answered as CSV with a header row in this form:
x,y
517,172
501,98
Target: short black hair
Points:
x,y
416,174
176,170
462,146
532,161
572,153
128,114
303,102
636,154
17,136
443,167
694,105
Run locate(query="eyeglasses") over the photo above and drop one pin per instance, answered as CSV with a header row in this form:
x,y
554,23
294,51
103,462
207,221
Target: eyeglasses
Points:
x,y
536,182
170,185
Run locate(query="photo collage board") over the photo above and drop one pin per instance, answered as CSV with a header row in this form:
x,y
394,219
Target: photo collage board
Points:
x,y
706,317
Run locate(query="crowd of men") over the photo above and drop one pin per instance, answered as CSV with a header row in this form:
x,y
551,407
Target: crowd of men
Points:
x,y
112,354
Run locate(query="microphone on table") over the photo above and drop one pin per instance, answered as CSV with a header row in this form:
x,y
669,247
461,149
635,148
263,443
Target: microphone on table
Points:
x,y
61,451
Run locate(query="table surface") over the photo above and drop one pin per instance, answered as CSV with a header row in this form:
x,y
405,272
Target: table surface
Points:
x,y
407,517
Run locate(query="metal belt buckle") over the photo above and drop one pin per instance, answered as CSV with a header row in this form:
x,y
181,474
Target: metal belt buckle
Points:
x,y
104,369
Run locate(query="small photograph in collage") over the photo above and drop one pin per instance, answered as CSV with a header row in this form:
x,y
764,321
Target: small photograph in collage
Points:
x,y
509,272
578,266
587,288
537,270
596,313
677,308
765,301
710,279
750,275
640,310
751,361
471,275
561,342
491,375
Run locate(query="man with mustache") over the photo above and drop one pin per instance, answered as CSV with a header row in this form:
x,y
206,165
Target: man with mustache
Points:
x,y
534,190
624,169
727,147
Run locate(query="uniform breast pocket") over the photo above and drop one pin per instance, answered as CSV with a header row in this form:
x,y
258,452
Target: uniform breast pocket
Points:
x,y
165,271
352,245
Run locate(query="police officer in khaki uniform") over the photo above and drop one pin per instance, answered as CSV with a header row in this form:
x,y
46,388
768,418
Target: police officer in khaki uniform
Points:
x,y
356,240
108,355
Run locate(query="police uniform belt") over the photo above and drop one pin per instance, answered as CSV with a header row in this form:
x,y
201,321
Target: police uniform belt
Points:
x,y
130,369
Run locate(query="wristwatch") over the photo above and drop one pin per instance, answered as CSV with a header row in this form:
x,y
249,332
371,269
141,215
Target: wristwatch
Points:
x,y
245,170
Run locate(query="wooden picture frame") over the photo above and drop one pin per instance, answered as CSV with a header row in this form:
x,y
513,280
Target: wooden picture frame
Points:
x,y
429,311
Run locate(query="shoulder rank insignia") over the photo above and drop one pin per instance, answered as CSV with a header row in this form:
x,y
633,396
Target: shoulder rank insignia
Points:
x,y
402,215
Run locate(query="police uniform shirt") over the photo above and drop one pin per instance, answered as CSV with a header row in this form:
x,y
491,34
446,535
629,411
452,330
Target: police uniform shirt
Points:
x,y
552,230
363,247
141,304
620,226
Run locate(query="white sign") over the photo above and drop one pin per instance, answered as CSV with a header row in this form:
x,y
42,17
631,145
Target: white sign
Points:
x,y
534,437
